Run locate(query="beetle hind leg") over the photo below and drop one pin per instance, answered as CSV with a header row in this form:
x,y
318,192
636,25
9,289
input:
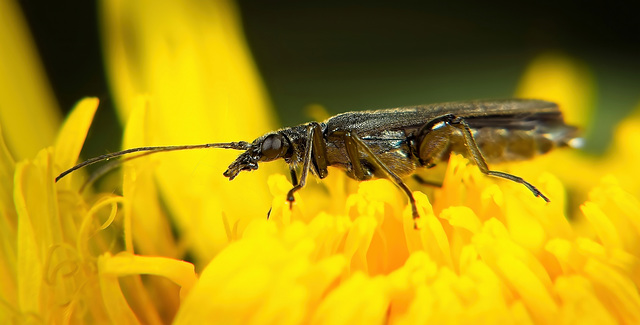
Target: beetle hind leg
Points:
x,y
474,150
517,179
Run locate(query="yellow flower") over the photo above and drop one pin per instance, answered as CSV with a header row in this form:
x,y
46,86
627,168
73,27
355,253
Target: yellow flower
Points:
x,y
181,244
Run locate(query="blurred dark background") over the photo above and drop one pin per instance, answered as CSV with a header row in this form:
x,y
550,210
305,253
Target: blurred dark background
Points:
x,y
368,55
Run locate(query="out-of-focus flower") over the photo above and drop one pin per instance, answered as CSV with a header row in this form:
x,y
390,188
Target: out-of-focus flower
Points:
x,y
28,110
487,251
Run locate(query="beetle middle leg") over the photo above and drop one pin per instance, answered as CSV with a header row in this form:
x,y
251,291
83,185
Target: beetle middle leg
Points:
x,y
426,182
352,142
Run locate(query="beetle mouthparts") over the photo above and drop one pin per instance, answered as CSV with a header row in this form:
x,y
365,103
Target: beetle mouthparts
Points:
x,y
244,162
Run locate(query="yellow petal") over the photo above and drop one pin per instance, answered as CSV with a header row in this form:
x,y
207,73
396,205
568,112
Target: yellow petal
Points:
x,y
72,135
462,217
495,246
282,211
524,227
39,228
358,241
430,236
30,256
180,272
73,132
381,201
465,223
329,232
529,289
117,307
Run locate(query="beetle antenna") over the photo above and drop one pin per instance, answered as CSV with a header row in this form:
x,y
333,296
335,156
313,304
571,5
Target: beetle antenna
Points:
x,y
109,167
241,145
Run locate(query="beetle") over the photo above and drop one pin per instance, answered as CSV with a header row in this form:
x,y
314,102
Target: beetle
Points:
x,y
393,143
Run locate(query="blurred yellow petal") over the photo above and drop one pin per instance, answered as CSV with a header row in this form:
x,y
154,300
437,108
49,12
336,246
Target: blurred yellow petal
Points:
x,y
28,109
359,300
8,228
421,309
565,254
322,276
619,220
272,289
561,79
625,149
580,302
150,225
190,59
606,231
615,291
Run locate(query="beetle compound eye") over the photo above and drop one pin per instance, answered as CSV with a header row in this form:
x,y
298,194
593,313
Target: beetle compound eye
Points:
x,y
273,147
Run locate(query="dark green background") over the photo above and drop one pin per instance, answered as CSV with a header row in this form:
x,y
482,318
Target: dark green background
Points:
x,y
374,55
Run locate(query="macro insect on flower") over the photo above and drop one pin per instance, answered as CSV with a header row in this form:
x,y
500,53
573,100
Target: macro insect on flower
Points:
x,y
393,143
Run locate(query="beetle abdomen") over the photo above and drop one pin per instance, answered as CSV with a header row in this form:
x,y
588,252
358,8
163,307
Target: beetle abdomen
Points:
x,y
504,145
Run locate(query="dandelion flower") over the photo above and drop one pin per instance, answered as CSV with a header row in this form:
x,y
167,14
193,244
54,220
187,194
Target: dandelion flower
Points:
x,y
178,245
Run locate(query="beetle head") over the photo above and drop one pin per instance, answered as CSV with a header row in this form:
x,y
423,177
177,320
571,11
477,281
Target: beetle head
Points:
x,y
268,147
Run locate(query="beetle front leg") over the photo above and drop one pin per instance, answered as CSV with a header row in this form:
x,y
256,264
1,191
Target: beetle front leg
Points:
x,y
294,175
306,164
